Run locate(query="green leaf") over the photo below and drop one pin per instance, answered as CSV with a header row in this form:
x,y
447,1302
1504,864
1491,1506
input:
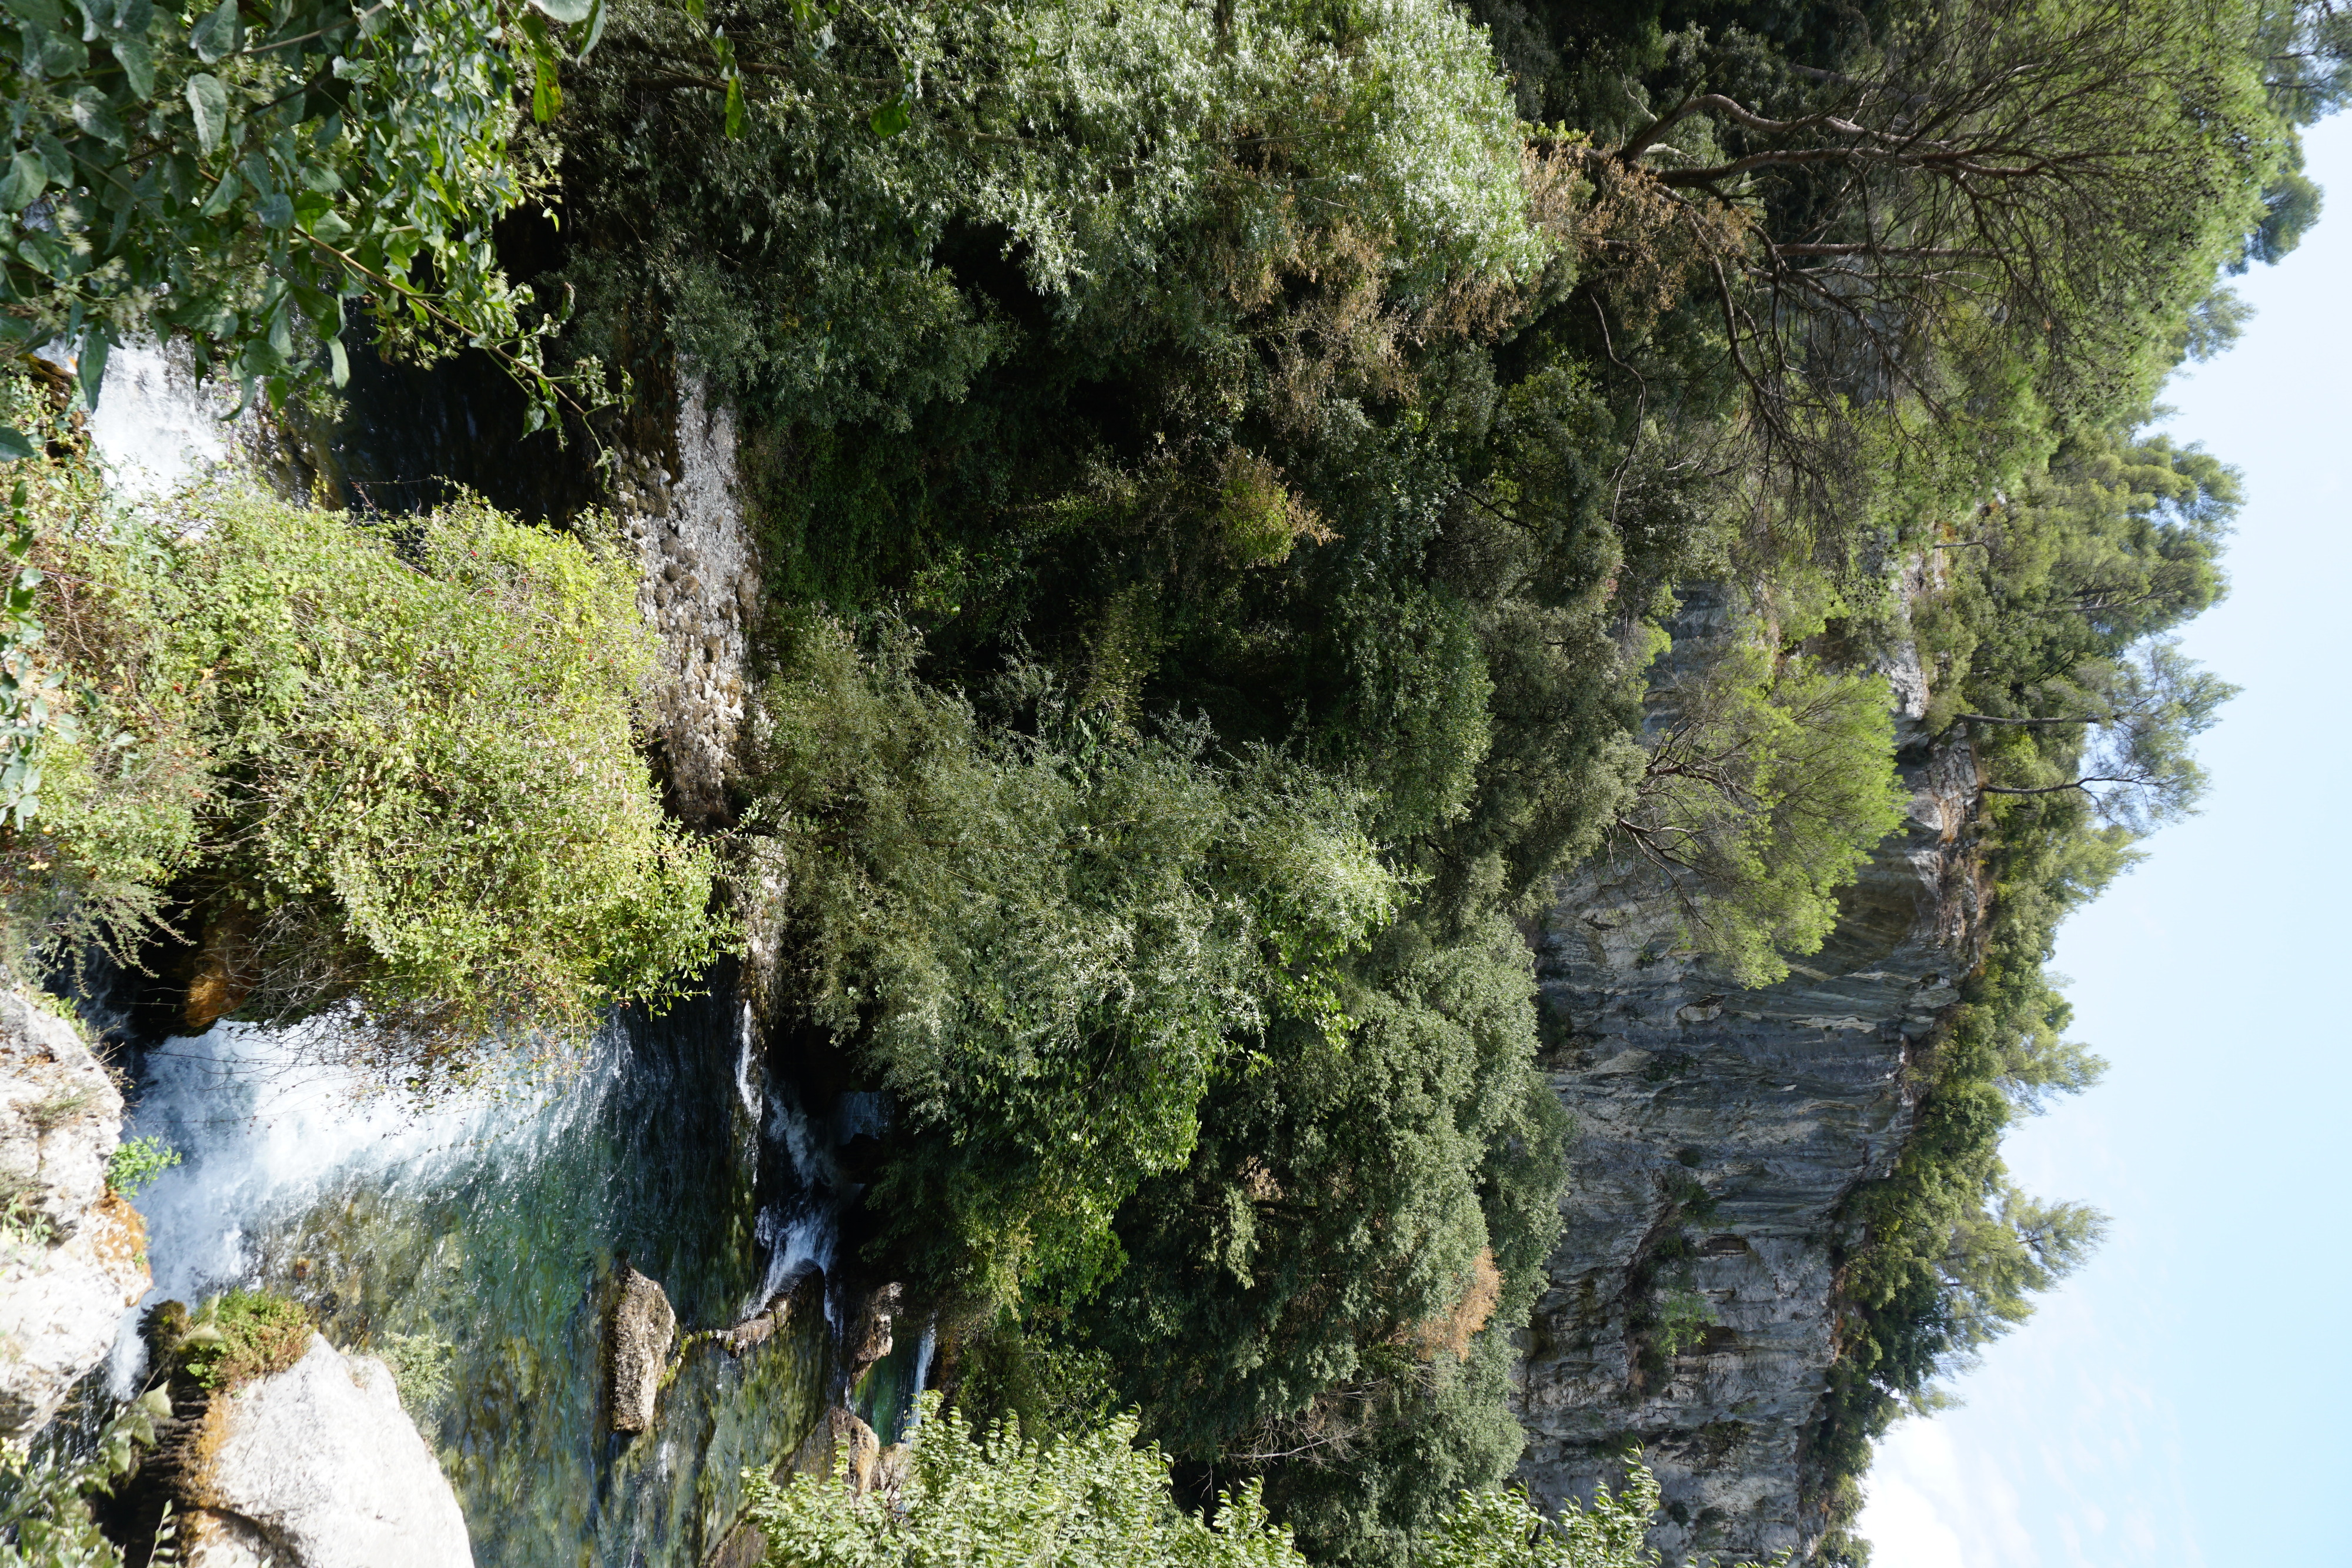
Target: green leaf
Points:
x,y
62,57
564,11
893,117
226,192
13,447
339,363
27,177
44,13
94,348
97,116
60,163
546,92
138,63
216,35
735,115
208,101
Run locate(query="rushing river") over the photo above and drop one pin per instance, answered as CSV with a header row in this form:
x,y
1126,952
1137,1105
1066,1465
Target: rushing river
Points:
x,y
496,1227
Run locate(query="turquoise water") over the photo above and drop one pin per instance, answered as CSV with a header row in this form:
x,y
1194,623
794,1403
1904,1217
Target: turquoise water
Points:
x,y
495,1229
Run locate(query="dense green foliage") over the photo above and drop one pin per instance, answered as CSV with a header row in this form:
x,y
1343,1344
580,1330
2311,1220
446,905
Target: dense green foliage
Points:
x,y
1225,474
387,763
1243,412
1093,1498
1047,942
233,175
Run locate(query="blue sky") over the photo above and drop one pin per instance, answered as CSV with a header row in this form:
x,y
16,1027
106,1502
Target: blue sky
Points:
x,y
2186,1400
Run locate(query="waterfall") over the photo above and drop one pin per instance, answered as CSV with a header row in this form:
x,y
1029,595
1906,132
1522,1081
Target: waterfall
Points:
x,y
487,1234
155,428
494,1227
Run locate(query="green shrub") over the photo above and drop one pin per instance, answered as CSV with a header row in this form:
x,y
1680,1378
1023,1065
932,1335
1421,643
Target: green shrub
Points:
x,y
136,1162
1092,1499
233,1339
1683,1320
389,763
44,1514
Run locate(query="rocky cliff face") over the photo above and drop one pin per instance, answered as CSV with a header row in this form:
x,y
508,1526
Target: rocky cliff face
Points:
x,y
72,1254
1690,1304
699,588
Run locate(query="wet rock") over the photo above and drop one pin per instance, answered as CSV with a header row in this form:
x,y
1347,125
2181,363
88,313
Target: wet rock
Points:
x,y
873,1340
210,1539
643,1326
802,1296
320,1466
72,1255
840,1442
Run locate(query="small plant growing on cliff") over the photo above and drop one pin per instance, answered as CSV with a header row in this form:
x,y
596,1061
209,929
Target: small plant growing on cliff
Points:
x,y
137,1161
1683,1320
236,1338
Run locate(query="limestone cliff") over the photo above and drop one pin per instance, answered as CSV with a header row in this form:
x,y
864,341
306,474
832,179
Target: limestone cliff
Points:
x,y
1690,1305
72,1254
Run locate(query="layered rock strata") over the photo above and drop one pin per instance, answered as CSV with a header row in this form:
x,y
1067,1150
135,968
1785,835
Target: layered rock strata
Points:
x,y
1691,1304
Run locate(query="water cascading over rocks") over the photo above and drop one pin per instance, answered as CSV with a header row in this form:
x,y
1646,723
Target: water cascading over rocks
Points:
x,y
1718,1130
482,1244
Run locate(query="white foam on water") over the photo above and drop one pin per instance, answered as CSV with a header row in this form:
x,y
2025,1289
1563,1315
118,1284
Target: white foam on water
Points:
x,y
267,1120
804,1231
156,427
923,1352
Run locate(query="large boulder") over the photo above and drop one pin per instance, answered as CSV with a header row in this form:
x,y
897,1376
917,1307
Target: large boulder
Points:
x,y
643,1327
72,1255
319,1466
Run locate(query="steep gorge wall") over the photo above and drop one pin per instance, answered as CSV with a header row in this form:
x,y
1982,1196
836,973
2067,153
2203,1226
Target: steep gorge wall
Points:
x,y
1717,1131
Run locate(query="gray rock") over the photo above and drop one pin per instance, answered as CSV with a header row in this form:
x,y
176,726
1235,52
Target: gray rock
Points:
x,y
873,1340
320,1466
60,1116
1718,1131
703,616
72,1256
643,1326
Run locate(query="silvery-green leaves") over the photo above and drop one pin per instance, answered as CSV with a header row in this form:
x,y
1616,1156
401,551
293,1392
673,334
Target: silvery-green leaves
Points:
x,y
208,103
216,36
